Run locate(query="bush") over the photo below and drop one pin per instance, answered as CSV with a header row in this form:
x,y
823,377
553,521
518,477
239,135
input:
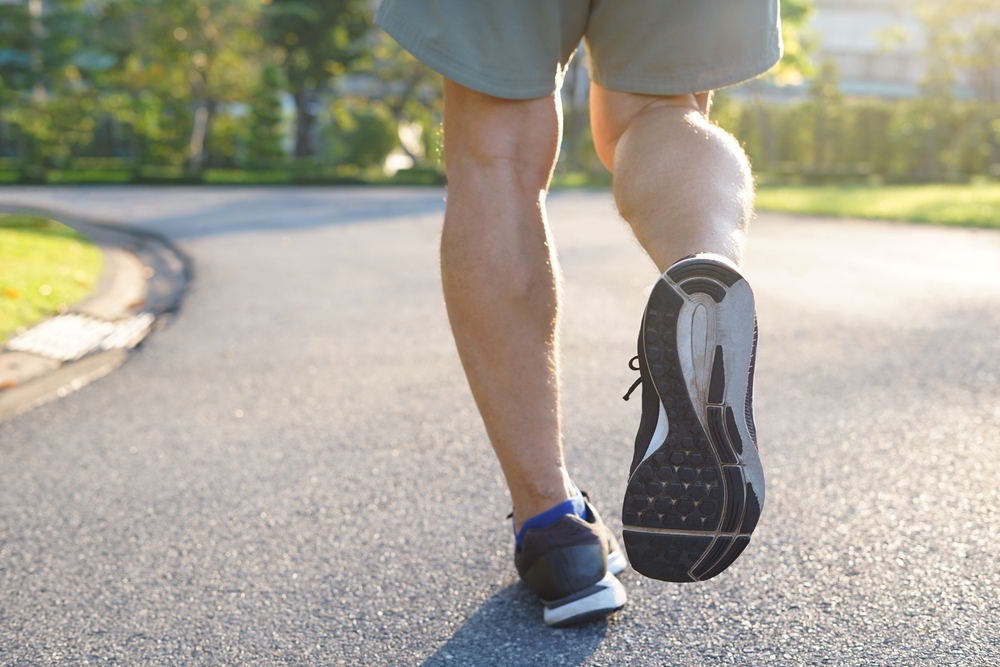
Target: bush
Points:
x,y
371,141
829,138
264,145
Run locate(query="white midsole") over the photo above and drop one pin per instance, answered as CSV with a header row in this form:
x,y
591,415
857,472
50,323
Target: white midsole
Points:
x,y
617,562
610,596
659,433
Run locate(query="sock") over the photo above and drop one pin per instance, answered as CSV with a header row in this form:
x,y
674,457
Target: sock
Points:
x,y
574,505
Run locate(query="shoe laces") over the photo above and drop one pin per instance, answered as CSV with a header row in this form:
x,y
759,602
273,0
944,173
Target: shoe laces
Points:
x,y
638,380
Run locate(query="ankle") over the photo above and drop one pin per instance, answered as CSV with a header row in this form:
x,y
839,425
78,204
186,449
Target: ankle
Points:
x,y
528,505
575,506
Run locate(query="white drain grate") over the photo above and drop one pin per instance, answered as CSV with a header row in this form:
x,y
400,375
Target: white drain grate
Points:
x,y
128,332
69,337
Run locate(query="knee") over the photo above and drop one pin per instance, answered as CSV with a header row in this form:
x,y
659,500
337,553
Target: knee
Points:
x,y
507,142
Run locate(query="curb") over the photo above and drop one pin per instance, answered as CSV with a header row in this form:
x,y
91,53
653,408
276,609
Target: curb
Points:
x,y
141,287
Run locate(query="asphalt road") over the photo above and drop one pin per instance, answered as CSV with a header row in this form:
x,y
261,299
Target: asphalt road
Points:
x,y
293,472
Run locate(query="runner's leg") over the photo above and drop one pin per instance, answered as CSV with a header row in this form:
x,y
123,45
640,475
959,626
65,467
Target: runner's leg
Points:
x,y
500,277
696,486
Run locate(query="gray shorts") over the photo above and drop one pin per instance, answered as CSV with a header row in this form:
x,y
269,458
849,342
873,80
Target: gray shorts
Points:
x,y
519,49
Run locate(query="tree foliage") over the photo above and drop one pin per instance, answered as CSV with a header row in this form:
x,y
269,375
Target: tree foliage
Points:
x,y
314,40
265,140
194,83
795,64
962,38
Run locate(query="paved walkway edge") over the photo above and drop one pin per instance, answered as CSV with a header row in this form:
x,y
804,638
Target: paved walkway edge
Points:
x,y
64,380
144,273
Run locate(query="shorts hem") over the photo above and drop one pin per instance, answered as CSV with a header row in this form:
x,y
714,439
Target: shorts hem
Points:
x,y
445,64
693,80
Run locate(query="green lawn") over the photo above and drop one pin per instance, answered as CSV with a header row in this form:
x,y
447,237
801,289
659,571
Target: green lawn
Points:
x,y
44,267
976,205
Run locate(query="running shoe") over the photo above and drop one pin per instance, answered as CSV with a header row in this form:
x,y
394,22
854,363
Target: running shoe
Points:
x,y
696,486
571,566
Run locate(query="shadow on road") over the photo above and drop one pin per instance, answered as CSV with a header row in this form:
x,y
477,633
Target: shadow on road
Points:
x,y
508,630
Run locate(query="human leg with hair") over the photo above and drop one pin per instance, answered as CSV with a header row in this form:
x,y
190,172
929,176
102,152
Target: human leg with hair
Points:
x,y
681,185
500,278
501,285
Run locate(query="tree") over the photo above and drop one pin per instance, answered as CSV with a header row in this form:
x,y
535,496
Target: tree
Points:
x,y
44,60
18,43
188,55
411,92
963,37
793,68
315,39
796,63
265,117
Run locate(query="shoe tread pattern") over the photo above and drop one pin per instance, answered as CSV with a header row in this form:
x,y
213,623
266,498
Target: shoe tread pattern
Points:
x,y
730,556
691,483
665,557
679,487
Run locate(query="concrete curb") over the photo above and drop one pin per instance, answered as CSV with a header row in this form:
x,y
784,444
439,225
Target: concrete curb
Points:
x,y
144,274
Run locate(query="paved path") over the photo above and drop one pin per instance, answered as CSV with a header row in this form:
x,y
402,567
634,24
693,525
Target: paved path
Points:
x,y
293,472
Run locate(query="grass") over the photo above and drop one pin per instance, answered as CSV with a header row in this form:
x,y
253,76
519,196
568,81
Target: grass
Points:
x,y
118,171
573,180
88,176
975,205
242,176
45,267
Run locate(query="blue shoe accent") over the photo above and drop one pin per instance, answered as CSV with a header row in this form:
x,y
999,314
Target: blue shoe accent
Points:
x,y
575,505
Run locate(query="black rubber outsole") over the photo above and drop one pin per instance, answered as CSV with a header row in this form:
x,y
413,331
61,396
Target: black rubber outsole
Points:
x,y
688,510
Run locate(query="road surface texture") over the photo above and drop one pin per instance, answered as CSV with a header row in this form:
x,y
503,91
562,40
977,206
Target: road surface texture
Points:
x,y
293,472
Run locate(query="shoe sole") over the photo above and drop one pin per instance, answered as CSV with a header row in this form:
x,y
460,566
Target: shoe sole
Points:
x,y
594,602
696,496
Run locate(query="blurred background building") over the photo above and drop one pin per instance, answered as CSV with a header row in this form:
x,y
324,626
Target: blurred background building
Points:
x,y
876,45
